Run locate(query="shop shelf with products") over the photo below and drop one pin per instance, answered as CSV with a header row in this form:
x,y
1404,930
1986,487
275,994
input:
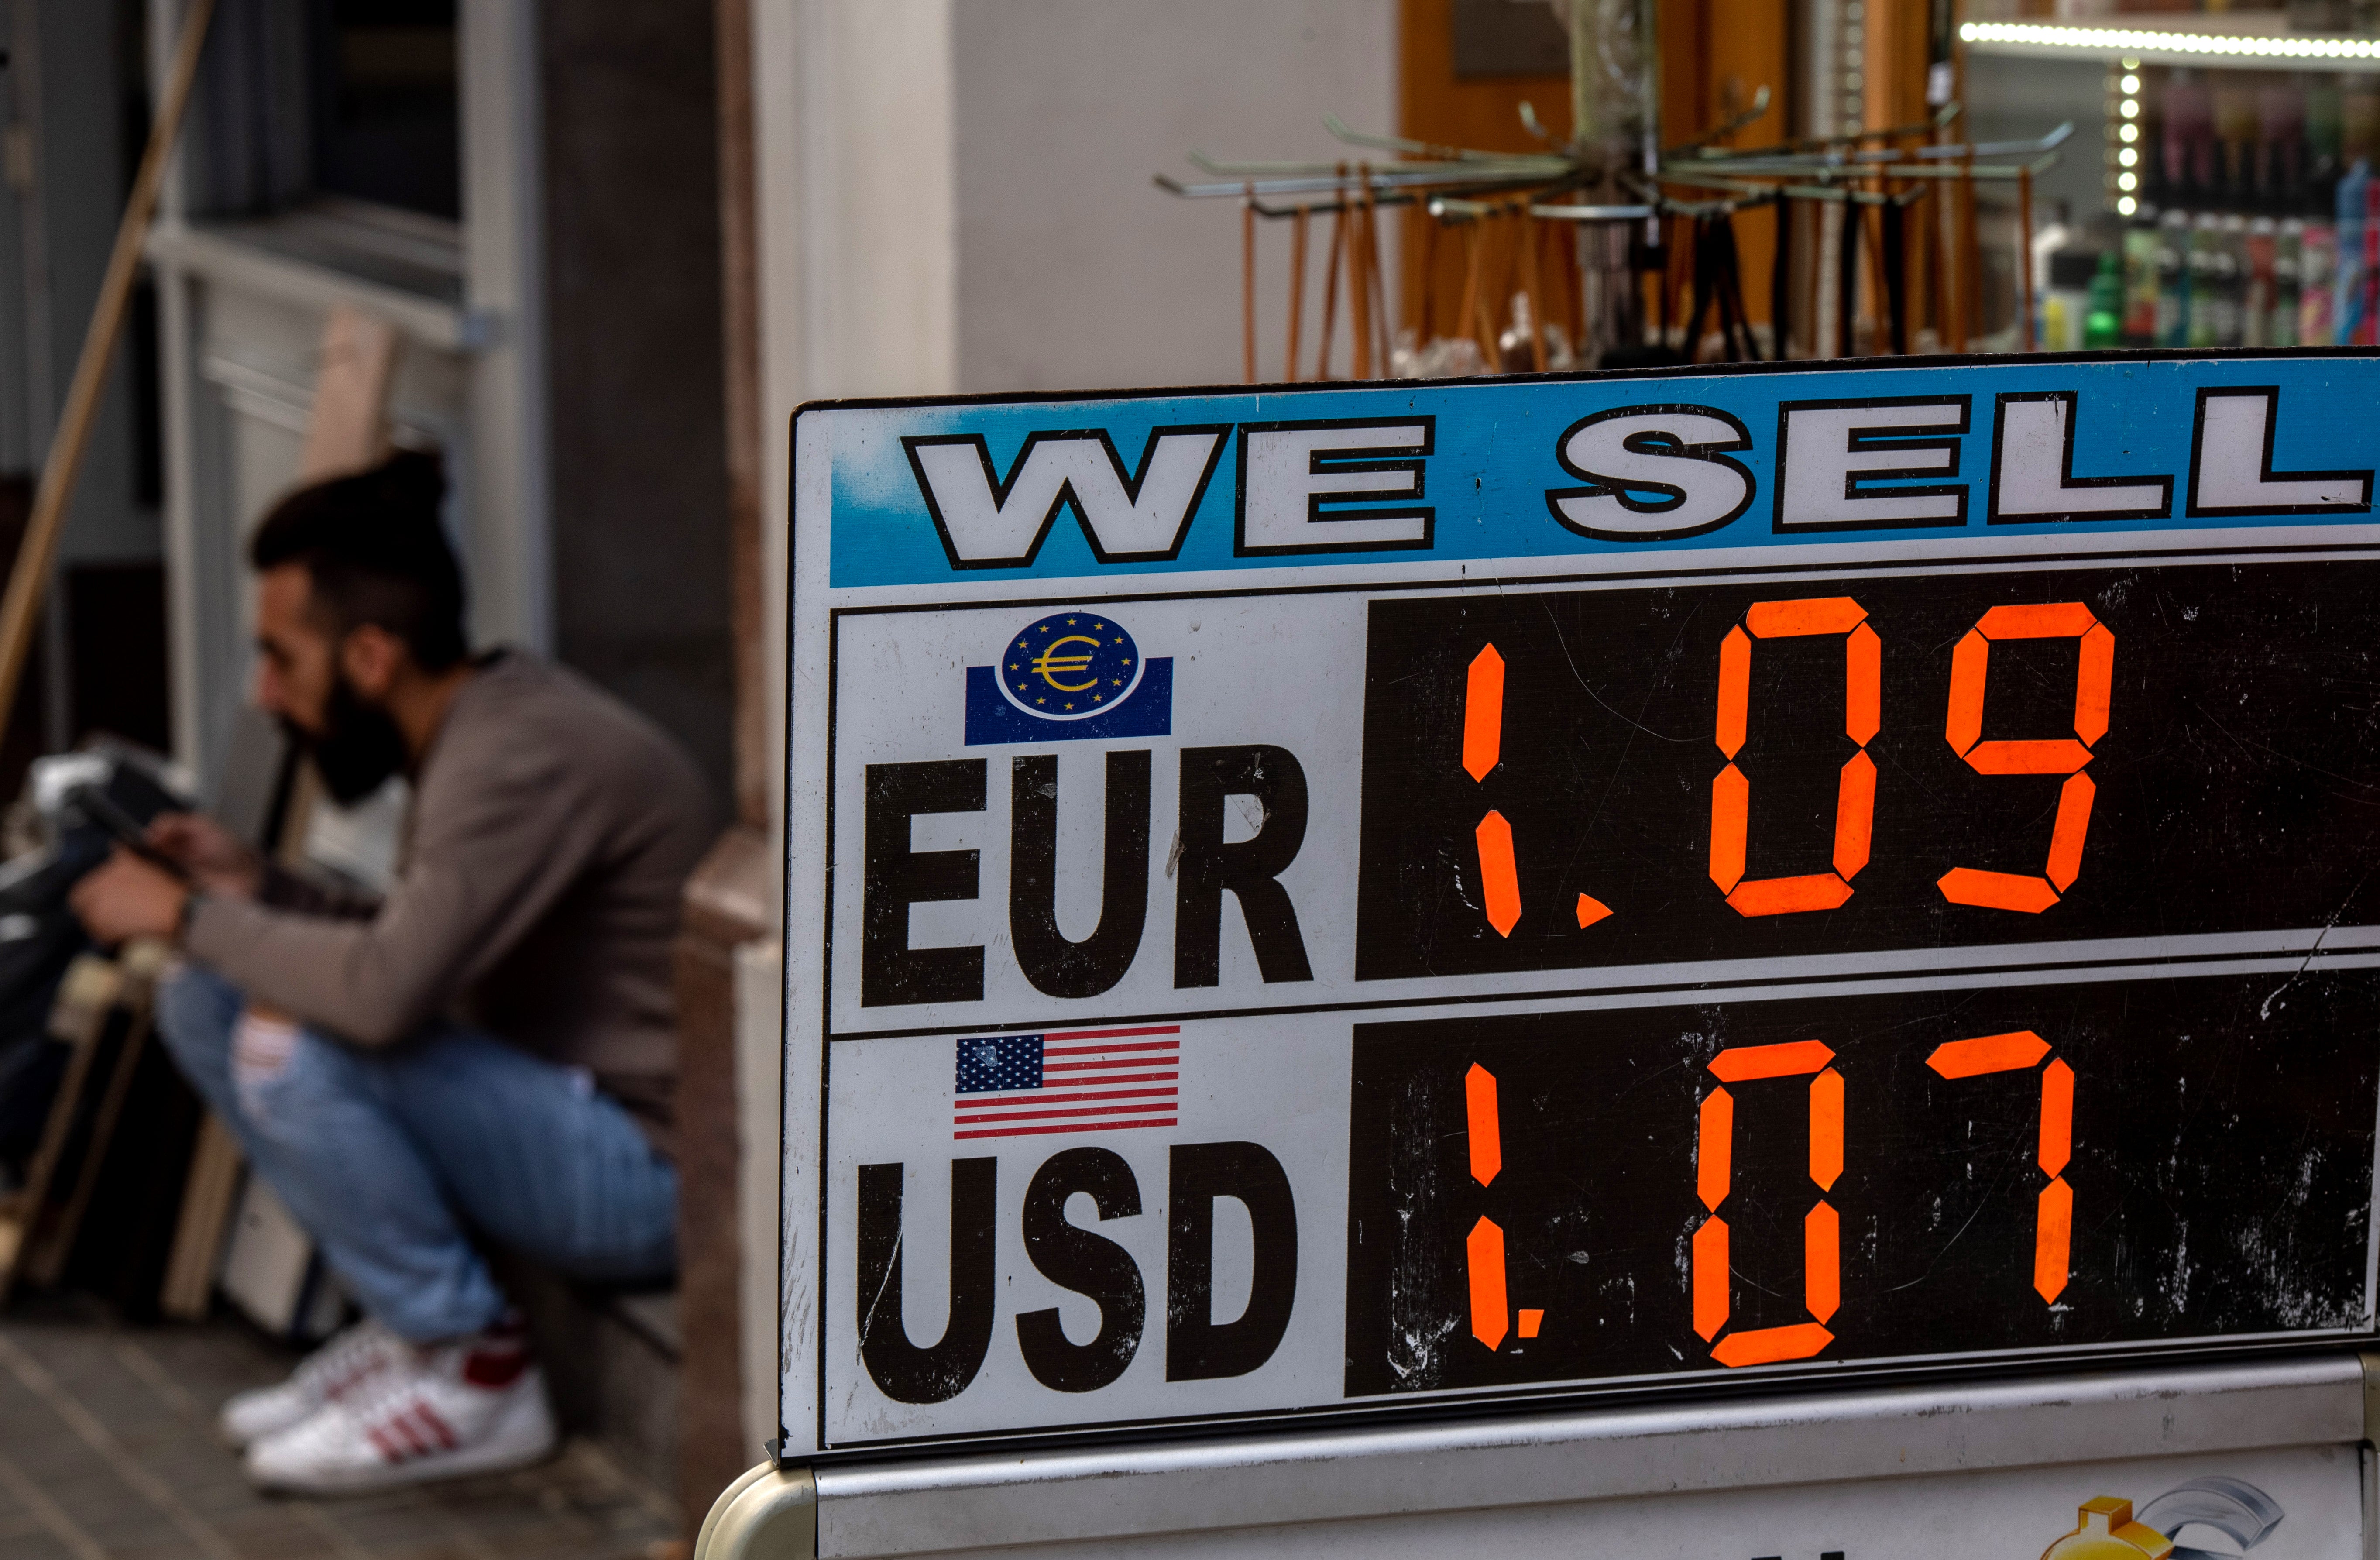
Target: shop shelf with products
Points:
x,y
2234,181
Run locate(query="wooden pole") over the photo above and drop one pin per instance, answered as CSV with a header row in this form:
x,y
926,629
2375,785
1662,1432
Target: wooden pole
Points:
x,y
1971,256
2026,342
1331,288
29,581
1249,286
1296,290
1359,281
1880,291
1470,310
1533,292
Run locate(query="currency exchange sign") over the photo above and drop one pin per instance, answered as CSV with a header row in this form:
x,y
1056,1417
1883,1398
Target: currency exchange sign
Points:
x,y
1342,901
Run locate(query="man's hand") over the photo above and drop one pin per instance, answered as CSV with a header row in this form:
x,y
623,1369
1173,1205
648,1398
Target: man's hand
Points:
x,y
126,898
212,854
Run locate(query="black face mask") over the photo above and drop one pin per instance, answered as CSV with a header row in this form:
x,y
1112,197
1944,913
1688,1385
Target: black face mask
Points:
x,y
358,748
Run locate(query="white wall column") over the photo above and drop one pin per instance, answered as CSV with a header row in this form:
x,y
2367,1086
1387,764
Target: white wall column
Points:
x,y
511,536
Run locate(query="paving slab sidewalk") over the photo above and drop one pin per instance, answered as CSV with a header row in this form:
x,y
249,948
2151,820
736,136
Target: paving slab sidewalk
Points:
x,y
108,1452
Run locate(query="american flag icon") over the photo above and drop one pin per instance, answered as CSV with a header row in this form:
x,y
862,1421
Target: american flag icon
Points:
x,y
1088,1080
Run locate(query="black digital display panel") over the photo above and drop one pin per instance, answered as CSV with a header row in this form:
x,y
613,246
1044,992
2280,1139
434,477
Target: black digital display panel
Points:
x,y
1610,1195
1677,774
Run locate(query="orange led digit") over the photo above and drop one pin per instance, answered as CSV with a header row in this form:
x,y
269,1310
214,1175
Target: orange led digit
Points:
x,y
2057,1117
1821,1228
2053,1238
1714,1148
1822,1260
1988,1054
1483,715
2053,1229
1855,790
1826,1131
1863,685
1741,1064
1484,1250
2066,835
1769,1345
1854,815
1500,877
1962,728
1734,691
1997,891
1485,1247
1730,821
1483,750
1486,1134
1710,1278
1815,615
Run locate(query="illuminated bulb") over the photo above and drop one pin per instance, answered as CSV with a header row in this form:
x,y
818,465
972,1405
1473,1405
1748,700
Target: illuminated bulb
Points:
x,y
2128,181
2175,42
2132,86
2128,156
2126,206
2127,132
2130,108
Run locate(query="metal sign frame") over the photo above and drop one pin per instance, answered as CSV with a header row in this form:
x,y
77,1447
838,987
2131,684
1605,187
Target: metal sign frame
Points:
x,y
1229,532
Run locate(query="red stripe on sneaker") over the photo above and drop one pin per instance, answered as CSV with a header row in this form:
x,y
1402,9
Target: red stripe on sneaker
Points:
x,y
382,1445
495,1367
438,1427
414,1444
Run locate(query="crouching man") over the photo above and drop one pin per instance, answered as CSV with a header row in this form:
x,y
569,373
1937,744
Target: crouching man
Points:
x,y
485,1053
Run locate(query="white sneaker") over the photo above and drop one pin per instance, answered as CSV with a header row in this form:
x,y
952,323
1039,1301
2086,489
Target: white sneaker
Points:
x,y
348,1362
473,1406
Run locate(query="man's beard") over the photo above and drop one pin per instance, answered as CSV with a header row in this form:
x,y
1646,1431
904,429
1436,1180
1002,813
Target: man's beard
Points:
x,y
358,748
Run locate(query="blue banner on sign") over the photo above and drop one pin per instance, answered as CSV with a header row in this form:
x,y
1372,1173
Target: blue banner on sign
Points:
x,y
992,719
932,493
1071,676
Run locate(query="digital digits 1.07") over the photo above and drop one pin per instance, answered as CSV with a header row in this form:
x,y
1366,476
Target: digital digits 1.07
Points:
x,y
1607,1196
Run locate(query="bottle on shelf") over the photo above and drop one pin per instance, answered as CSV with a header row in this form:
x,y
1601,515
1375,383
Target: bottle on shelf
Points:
x,y
2259,256
2367,332
2066,303
2289,246
2322,98
2235,139
2173,280
2141,245
2280,144
2359,120
2350,323
2186,117
2202,326
2103,319
2048,240
2317,282
2254,214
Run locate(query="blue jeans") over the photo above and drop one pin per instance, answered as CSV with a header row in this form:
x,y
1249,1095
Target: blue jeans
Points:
x,y
392,1157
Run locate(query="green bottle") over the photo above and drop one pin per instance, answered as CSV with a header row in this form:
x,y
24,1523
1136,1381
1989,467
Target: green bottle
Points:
x,y
2103,324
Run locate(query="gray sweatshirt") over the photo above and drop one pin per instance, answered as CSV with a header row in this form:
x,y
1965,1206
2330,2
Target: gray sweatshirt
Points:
x,y
537,893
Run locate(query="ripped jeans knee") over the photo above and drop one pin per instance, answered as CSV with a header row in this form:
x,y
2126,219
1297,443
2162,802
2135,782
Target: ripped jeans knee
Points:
x,y
263,1047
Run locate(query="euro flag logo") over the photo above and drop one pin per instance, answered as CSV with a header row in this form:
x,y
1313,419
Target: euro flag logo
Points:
x,y
1073,677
